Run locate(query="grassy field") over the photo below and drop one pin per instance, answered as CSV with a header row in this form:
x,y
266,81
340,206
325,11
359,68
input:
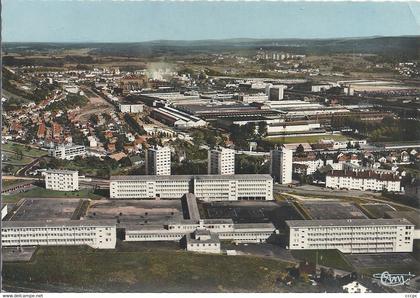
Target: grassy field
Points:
x,y
27,151
306,139
146,269
8,183
331,258
40,192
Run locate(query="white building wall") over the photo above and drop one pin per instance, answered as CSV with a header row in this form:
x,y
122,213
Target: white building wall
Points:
x,y
221,161
96,236
62,180
373,184
353,238
211,188
158,161
281,165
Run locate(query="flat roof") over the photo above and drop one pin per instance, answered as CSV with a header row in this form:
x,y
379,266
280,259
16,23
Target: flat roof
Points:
x,y
192,206
214,238
412,216
61,223
54,171
347,222
189,177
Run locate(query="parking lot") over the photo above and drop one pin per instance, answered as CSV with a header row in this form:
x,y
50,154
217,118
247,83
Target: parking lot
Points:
x,y
377,210
386,261
332,210
17,254
252,211
43,209
139,211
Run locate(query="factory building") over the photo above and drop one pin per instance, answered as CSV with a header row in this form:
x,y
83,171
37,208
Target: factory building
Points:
x,y
94,233
281,165
177,118
62,180
352,235
158,161
221,161
205,187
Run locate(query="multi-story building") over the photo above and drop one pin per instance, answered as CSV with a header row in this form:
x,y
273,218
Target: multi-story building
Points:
x,y
131,108
352,235
276,92
95,233
363,180
224,228
281,165
202,240
158,161
68,152
221,161
311,163
62,180
205,187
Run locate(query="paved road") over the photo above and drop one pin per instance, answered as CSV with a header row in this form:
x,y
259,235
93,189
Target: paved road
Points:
x,y
23,171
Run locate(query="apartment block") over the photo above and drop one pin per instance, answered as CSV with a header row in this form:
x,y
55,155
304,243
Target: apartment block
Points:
x,y
363,180
61,180
281,165
68,152
221,161
158,161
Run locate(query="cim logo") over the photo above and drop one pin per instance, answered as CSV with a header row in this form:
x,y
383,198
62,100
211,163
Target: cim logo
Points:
x,y
393,279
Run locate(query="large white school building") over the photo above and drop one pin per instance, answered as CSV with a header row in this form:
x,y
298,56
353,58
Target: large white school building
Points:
x,y
94,233
205,187
352,235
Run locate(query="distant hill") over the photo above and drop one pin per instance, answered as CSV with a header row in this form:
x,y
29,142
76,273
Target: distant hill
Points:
x,y
403,46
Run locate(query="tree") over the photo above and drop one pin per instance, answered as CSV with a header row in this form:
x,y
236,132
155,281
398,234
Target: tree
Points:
x,y
300,150
18,152
262,129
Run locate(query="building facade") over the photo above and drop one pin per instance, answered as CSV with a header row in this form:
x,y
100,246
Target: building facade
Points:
x,y
281,165
221,161
276,92
204,187
224,228
158,161
131,108
94,233
203,241
62,180
68,152
363,180
352,235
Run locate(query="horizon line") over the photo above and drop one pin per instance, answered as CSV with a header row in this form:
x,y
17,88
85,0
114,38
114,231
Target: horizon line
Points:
x,y
218,39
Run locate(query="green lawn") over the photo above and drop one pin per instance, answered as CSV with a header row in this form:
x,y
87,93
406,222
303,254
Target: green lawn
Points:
x,y
306,139
146,269
40,192
32,152
13,160
7,183
330,258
